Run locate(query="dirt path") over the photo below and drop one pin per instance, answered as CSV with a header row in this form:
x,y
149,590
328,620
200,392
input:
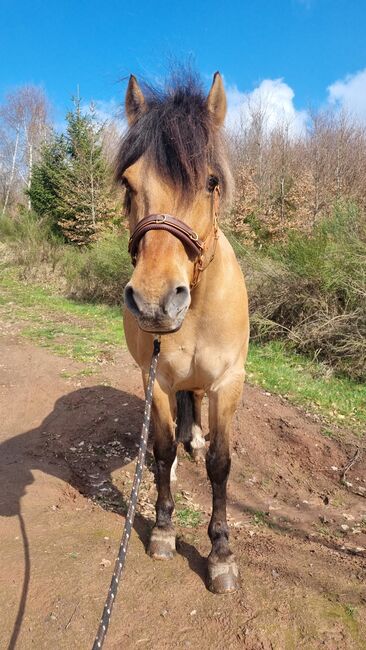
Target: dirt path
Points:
x,y
67,459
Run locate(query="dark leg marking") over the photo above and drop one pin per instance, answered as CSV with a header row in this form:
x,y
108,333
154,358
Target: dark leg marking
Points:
x,y
223,575
162,540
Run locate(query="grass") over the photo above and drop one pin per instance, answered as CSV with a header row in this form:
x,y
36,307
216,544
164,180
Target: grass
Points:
x,y
85,332
99,272
188,517
350,611
87,372
310,291
259,518
307,383
93,332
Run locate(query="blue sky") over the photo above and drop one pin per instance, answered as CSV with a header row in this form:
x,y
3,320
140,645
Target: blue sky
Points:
x,y
299,49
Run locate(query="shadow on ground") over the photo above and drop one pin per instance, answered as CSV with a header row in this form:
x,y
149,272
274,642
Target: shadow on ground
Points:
x,y
89,434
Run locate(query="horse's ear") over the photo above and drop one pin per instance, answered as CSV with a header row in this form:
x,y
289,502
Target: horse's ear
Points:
x,y
135,101
216,100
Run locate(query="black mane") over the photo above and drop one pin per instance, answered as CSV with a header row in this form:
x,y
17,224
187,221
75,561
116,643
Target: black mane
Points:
x,y
178,135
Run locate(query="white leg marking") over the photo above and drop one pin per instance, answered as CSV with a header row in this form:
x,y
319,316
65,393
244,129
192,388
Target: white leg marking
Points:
x,y
198,441
173,475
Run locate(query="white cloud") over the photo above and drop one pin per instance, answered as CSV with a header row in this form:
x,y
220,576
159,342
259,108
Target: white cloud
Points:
x,y
350,94
275,98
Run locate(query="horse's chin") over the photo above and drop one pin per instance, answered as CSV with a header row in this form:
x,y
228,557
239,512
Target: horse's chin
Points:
x,y
155,328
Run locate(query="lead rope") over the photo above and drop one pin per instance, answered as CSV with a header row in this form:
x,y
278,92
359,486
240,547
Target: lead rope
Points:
x,y
120,560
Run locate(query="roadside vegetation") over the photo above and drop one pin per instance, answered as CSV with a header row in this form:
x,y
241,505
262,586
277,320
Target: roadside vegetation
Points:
x,y
83,331
310,291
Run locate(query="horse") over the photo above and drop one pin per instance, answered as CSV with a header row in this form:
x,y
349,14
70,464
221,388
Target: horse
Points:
x,y
186,287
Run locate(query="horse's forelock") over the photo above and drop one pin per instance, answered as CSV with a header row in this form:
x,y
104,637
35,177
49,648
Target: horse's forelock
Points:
x,y
177,134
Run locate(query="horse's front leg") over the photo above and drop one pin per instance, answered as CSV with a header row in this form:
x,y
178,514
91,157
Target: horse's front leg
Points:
x,y
162,540
223,575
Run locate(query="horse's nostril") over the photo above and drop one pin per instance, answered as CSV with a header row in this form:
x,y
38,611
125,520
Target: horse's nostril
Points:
x,y
130,300
182,289
176,300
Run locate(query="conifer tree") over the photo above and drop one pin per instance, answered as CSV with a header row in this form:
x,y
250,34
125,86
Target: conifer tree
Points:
x,y
46,180
72,182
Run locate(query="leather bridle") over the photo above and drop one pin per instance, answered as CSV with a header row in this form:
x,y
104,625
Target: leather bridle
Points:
x,y
195,247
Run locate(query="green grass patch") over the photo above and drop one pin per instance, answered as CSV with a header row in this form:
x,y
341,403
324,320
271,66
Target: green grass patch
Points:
x,y
351,611
87,372
73,555
259,518
99,272
83,331
300,380
188,517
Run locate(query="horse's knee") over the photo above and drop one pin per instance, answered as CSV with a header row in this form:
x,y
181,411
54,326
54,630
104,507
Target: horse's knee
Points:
x,y
165,452
218,465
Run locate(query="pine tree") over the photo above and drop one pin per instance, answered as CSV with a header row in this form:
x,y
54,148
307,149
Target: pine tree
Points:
x,y
72,184
46,180
85,200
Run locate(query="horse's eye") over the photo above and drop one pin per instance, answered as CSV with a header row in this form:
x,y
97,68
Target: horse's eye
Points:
x,y
212,182
125,183
127,195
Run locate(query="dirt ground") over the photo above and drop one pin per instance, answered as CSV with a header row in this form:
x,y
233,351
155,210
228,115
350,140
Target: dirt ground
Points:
x,y
68,446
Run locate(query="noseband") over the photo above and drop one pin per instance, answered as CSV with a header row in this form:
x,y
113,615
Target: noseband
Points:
x,y
194,246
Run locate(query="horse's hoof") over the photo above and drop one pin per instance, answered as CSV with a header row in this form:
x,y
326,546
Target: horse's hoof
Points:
x,y
223,576
162,544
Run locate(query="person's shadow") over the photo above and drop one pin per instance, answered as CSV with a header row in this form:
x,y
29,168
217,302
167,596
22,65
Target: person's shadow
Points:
x,y
90,433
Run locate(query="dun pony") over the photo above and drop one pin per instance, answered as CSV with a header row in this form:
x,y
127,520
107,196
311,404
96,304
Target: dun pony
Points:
x,y
186,286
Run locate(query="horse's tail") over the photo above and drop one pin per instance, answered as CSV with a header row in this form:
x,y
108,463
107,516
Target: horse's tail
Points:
x,y
185,416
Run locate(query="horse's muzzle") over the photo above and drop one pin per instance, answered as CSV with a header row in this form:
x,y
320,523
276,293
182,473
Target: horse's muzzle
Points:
x,y
167,315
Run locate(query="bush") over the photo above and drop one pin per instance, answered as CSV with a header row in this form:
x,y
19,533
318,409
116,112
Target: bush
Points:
x,y
99,272
7,228
312,291
30,244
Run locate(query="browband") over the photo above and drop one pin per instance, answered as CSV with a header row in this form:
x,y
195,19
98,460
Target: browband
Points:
x,y
176,227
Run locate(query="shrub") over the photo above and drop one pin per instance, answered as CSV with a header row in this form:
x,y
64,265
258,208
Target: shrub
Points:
x,y
312,291
30,244
99,272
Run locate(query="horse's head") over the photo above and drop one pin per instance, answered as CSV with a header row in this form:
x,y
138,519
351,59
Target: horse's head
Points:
x,y
171,162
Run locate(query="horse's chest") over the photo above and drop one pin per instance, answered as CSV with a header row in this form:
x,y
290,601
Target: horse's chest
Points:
x,y
188,369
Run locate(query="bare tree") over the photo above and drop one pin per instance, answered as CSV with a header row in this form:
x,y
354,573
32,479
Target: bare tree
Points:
x,y
24,119
284,181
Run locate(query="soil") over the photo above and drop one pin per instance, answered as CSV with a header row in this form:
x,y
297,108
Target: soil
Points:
x,y
68,447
